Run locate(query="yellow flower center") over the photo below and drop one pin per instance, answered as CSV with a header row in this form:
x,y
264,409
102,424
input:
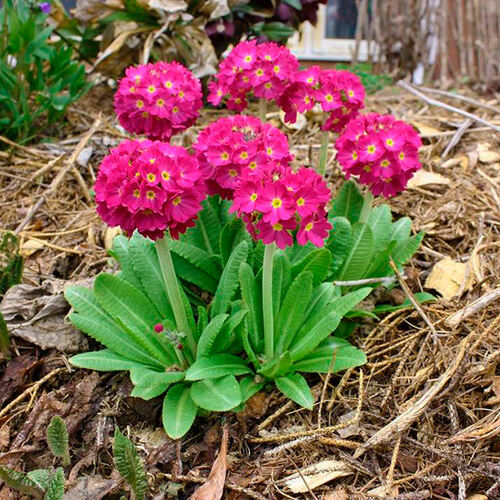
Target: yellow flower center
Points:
x,y
367,168
219,93
233,173
401,156
329,97
150,195
248,58
310,79
371,149
301,202
385,163
131,90
168,84
152,160
176,201
259,72
307,99
278,227
145,114
244,155
267,57
151,89
268,85
276,203
175,109
139,104
137,193
181,94
269,151
252,165
350,93
165,175
151,177
354,155
246,79
160,103
224,156
389,179
389,142
253,197
309,226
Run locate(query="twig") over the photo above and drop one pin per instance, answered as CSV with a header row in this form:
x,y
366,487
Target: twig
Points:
x,y
453,109
325,385
459,97
367,281
458,135
29,390
456,318
57,247
269,420
397,426
59,177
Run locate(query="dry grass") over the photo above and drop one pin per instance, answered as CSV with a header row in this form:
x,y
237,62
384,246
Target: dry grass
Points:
x,y
420,420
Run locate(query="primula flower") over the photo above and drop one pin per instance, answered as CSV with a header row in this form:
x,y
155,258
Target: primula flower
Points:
x,y
276,201
231,146
150,186
45,7
264,69
158,100
339,93
381,150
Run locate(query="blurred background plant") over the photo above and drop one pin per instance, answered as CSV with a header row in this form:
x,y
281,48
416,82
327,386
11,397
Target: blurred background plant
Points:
x,y
38,77
371,79
193,32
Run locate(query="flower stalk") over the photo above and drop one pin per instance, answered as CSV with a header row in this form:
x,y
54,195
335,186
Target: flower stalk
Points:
x,y
267,301
262,109
323,153
174,294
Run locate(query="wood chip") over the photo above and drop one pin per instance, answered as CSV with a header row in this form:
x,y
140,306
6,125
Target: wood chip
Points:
x,y
447,277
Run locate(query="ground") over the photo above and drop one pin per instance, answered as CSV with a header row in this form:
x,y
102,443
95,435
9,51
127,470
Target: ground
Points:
x,y
420,420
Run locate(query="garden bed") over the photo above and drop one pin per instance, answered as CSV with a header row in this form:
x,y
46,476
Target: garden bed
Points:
x,y
420,420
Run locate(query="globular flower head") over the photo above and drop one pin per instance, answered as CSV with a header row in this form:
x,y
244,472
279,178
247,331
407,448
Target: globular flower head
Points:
x,y
45,7
277,203
264,70
339,93
230,147
381,150
150,186
158,100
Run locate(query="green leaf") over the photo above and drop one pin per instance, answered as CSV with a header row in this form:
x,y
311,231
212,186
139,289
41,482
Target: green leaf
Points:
x,y
348,203
103,361
91,319
147,267
318,262
292,311
132,308
231,235
401,229
321,359
55,485
276,367
179,411
209,335
194,265
220,394
295,387
404,251
215,366
57,439
205,234
4,337
252,297
344,304
40,477
229,280
149,384
121,251
129,464
321,296
230,331
339,241
20,482
420,296
380,222
275,30
294,3
359,258
249,387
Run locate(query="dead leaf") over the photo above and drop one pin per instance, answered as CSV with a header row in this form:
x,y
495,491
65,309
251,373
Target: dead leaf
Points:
x,y
256,406
477,496
29,247
383,492
91,488
213,489
338,494
166,5
316,475
424,178
351,430
426,130
4,436
109,236
447,277
15,374
37,314
489,156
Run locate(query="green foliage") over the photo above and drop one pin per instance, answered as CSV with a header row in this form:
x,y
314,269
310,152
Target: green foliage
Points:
x,y
38,77
11,261
129,464
57,439
179,411
55,485
20,482
370,80
4,337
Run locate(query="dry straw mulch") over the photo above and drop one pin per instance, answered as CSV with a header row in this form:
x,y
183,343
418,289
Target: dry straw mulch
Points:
x,y
420,420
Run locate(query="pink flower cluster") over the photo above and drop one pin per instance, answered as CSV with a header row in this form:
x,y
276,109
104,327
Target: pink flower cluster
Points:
x,y
339,93
158,100
150,186
265,69
381,150
230,146
276,201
